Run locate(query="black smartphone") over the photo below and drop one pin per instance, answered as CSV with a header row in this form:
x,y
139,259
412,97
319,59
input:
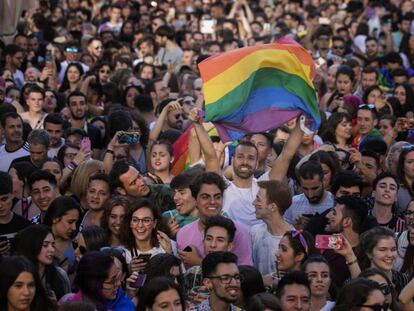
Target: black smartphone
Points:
x,y
308,215
139,282
144,257
188,249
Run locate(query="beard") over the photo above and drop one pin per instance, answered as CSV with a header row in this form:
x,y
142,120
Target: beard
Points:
x,y
244,174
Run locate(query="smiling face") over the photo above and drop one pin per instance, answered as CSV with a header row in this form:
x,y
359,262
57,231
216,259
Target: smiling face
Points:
x,y
115,219
184,201
45,256
21,293
245,161
335,219
286,260
43,193
384,254
228,293
343,129
209,201
142,224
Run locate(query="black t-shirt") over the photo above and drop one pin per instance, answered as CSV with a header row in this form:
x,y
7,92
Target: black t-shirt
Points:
x,y
15,225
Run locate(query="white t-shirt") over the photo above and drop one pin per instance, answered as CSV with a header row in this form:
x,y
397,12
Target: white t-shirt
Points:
x,y
329,305
8,157
238,202
300,205
264,247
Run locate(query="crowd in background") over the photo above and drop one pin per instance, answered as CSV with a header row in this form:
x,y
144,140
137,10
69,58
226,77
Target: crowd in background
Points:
x,y
94,215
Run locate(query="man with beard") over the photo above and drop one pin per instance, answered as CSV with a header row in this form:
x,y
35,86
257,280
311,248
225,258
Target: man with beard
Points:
x,y
171,116
53,124
222,278
242,190
314,199
78,107
349,217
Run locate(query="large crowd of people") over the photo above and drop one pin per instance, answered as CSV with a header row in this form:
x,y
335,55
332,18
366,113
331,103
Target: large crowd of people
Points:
x,y
96,214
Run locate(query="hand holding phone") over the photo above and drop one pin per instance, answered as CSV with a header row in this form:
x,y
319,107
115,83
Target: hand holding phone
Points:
x,y
323,241
129,138
139,281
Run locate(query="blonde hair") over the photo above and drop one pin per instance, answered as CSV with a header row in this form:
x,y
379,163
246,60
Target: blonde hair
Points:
x,y
81,175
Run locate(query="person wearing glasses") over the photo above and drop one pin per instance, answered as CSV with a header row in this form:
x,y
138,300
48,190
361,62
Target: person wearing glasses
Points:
x,y
98,281
140,235
222,278
386,285
95,49
361,294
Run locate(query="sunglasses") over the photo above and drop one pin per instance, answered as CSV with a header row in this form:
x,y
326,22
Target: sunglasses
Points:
x,y
113,250
366,106
75,245
337,47
179,116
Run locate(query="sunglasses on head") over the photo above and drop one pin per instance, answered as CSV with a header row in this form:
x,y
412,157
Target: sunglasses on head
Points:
x,y
366,106
407,147
113,250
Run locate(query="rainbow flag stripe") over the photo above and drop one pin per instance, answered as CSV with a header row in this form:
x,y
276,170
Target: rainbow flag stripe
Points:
x,y
258,88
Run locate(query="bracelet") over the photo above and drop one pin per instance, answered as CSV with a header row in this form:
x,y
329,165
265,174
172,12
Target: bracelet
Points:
x,y
350,263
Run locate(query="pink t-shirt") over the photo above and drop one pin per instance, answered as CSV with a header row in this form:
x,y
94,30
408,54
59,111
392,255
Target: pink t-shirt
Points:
x,y
242,245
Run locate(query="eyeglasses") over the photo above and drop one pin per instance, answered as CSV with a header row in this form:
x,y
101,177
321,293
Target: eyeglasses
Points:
x,y
179,116
366,106
99,47
386,288
226,279
301,239
115,279
82,249
383,307
145,221
338,47
409,213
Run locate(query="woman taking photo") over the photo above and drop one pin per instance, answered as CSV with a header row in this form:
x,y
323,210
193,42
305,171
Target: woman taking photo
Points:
x,y
37,244
61,217
379,250
115,209
159,294
344,84
140,235
20,287
98,281
319,275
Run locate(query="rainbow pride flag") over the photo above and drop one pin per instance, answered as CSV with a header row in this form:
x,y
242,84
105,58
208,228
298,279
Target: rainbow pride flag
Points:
x,y
259,88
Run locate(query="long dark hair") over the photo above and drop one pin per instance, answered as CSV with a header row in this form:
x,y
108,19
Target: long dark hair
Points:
x,y
28,243
60,207
65,82
126,235
160,265
328,134
300,247
153,288
91,273
115,200
408,263
10,269
401,170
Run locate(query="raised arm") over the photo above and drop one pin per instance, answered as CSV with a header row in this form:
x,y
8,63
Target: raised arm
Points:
x,y
407,295
281,163
207,148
